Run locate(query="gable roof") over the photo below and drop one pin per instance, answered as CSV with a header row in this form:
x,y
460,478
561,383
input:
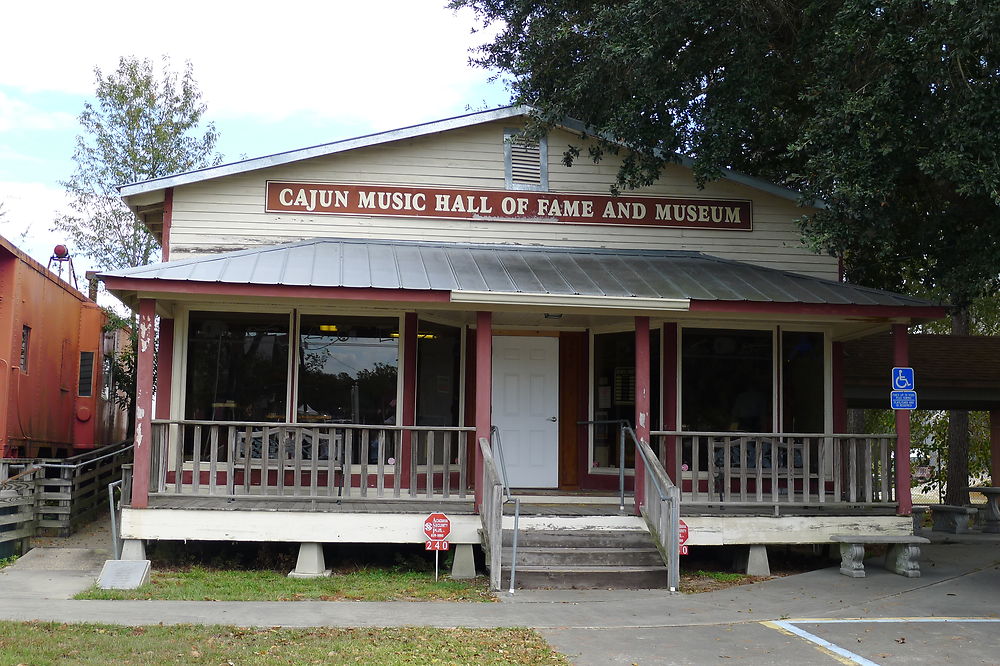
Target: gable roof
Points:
x,y
503,273
409,132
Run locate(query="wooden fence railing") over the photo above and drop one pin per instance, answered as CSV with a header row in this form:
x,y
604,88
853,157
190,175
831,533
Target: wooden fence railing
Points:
x,y
69,492
779,468
491,513
73,491
308,460
17,507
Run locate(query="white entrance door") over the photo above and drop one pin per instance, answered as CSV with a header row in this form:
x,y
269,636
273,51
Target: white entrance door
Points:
x,y
526,408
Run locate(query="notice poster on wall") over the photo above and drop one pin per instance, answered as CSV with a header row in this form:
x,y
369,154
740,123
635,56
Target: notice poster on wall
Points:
x,y
625,385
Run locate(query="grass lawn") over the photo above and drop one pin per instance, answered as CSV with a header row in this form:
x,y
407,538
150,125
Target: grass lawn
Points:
x,y
364,584
40,643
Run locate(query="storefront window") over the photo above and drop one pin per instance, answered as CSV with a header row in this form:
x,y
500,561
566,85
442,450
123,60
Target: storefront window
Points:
x,y
438,364
347,369
614,393
803,382
237,366
727,380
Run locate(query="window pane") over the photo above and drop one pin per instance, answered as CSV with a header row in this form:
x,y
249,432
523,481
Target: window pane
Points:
x,y
438,355
25,342
86,383
237,366
614,393
726,380
347,369
803,382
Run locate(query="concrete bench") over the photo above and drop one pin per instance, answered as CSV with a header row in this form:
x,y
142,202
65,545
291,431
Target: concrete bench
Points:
x,y
950,518
991,519
919,511
903,556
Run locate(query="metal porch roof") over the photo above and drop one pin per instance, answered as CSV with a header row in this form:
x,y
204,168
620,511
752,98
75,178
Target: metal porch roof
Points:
x,y
456,267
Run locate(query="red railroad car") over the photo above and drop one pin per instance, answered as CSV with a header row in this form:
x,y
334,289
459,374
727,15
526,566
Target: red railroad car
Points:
x,y
55,392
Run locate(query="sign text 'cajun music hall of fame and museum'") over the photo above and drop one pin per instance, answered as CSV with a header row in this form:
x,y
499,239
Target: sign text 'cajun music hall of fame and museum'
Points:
x,y
508,206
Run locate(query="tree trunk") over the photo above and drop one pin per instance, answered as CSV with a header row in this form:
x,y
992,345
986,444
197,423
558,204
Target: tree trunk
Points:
x,y
957,485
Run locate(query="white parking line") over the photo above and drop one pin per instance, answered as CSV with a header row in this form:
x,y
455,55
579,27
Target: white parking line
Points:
x,y
846,656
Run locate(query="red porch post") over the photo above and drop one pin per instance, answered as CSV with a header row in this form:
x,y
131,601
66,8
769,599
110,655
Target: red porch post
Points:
x,y
409,407
484,392
642,394
143,403
669,408
901,357
164,368
995,446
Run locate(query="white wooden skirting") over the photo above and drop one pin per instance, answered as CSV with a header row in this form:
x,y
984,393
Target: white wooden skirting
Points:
x,y
731,530
196,525
290,526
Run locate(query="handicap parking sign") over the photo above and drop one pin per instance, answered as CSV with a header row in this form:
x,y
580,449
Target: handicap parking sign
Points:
x,y
903,399
902,379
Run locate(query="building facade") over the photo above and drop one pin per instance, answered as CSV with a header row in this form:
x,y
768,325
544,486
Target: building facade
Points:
x,y
351,320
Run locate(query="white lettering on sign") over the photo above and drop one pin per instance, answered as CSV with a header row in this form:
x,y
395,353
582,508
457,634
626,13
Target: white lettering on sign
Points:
x,y
500,205
703,213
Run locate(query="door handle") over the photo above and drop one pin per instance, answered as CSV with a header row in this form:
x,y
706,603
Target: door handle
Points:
x,y
553,419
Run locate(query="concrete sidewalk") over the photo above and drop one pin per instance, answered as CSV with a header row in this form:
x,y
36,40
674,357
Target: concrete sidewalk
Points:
x,y
596,626
957,580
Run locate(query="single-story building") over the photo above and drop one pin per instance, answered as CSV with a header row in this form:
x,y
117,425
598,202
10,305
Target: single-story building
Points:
x,y
341,327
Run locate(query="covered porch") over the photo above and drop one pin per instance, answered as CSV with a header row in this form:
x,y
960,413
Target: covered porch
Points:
x,y
338,378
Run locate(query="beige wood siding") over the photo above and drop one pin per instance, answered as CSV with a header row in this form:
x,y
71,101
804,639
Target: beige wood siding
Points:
x,y
228,213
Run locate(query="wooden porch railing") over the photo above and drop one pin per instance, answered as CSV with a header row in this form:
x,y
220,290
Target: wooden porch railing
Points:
x,y
779,468
308,460
660,507
491,512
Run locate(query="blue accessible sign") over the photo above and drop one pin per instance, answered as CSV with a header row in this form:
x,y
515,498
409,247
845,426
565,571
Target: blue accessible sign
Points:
x,y
902,379
903,395
903,399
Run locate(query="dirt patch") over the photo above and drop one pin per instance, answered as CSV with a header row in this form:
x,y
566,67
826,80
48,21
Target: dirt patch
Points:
x,y
698,582
707,569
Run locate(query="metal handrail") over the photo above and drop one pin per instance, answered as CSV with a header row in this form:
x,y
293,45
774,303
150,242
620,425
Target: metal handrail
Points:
x,y
115,541
650,460
88,461
517,505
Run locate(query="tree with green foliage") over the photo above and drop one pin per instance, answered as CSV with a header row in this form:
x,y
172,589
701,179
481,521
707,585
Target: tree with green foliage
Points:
x,y
144,124
885,112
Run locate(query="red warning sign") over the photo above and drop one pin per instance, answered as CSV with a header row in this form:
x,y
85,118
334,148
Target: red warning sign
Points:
x,y
437,527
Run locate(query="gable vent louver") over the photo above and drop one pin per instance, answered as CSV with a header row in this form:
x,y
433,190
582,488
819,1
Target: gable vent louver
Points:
x,y
526,162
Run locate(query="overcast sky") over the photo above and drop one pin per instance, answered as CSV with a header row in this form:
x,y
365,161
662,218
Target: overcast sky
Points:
x,y
275,76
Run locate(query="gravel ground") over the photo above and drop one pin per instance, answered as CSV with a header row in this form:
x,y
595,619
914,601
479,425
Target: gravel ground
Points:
x,y
96,534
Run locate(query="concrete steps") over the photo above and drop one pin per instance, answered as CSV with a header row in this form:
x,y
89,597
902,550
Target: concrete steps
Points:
x,y
584,559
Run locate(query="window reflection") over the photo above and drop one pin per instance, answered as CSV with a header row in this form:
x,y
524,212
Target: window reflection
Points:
x,y
438,364
237,366
803,382
726,380
347,369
